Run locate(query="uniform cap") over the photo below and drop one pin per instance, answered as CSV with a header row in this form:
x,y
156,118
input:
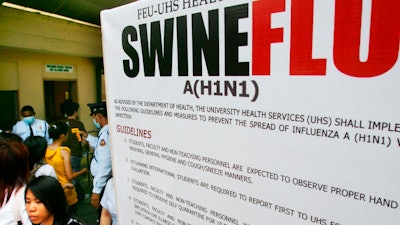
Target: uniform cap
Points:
x,y
98,108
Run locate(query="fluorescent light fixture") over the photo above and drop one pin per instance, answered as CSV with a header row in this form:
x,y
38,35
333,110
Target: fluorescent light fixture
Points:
x,y
27,9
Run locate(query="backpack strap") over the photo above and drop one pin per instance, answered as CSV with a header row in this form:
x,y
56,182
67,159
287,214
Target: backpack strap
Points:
x,y
35,168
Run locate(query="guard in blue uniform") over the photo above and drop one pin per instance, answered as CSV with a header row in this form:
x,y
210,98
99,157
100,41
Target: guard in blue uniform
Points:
x,y
100,167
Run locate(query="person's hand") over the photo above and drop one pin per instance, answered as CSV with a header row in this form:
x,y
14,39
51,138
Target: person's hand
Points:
x,y
95,200
84,170
83,135
68,185
84,142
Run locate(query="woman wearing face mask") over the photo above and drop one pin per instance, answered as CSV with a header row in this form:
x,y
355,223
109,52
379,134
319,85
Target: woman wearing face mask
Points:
x,y
59,157
46,204
31,126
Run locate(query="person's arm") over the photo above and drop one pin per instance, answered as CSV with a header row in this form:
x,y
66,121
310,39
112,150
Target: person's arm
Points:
x,y
90,139
20,128
14,129
46,133
103,166
105,218
66,154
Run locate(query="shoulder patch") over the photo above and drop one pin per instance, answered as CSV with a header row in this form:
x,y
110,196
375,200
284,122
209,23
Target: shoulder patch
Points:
x,y
102,142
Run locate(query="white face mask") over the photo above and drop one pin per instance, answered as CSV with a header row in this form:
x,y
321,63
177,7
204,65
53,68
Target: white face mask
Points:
x,y
96,124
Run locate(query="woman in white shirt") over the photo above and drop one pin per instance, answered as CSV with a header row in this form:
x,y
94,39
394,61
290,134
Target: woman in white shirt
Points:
x,y
37,146
14,172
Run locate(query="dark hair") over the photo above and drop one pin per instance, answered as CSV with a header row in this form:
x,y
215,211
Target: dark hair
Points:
x,y
57,129
27,108
69,107
37,146
10,137
14,167
50,192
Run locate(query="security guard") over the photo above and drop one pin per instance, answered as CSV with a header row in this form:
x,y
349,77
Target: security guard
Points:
x,y
31,126
100,167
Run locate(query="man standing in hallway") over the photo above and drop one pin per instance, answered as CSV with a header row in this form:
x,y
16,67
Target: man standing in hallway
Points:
x,y
30,126
100,167
70,109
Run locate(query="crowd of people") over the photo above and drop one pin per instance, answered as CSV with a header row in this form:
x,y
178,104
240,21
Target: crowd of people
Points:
x,y
40,165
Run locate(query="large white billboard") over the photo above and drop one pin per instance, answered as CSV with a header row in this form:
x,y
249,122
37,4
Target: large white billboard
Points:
x,y
254,112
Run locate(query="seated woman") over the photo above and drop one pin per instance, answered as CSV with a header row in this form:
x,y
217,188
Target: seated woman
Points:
x,y
46,204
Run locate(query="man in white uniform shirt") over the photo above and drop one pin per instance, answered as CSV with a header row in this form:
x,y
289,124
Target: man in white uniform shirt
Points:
x,y
31,126
100,167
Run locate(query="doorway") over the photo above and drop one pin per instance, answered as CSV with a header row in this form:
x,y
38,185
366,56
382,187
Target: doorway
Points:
x,y
9,111
55,93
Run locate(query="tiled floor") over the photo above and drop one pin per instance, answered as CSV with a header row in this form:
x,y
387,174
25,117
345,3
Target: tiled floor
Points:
x,y
86,213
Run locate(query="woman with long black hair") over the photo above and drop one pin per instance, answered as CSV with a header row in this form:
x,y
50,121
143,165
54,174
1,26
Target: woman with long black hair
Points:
x,y
46,203
59,157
